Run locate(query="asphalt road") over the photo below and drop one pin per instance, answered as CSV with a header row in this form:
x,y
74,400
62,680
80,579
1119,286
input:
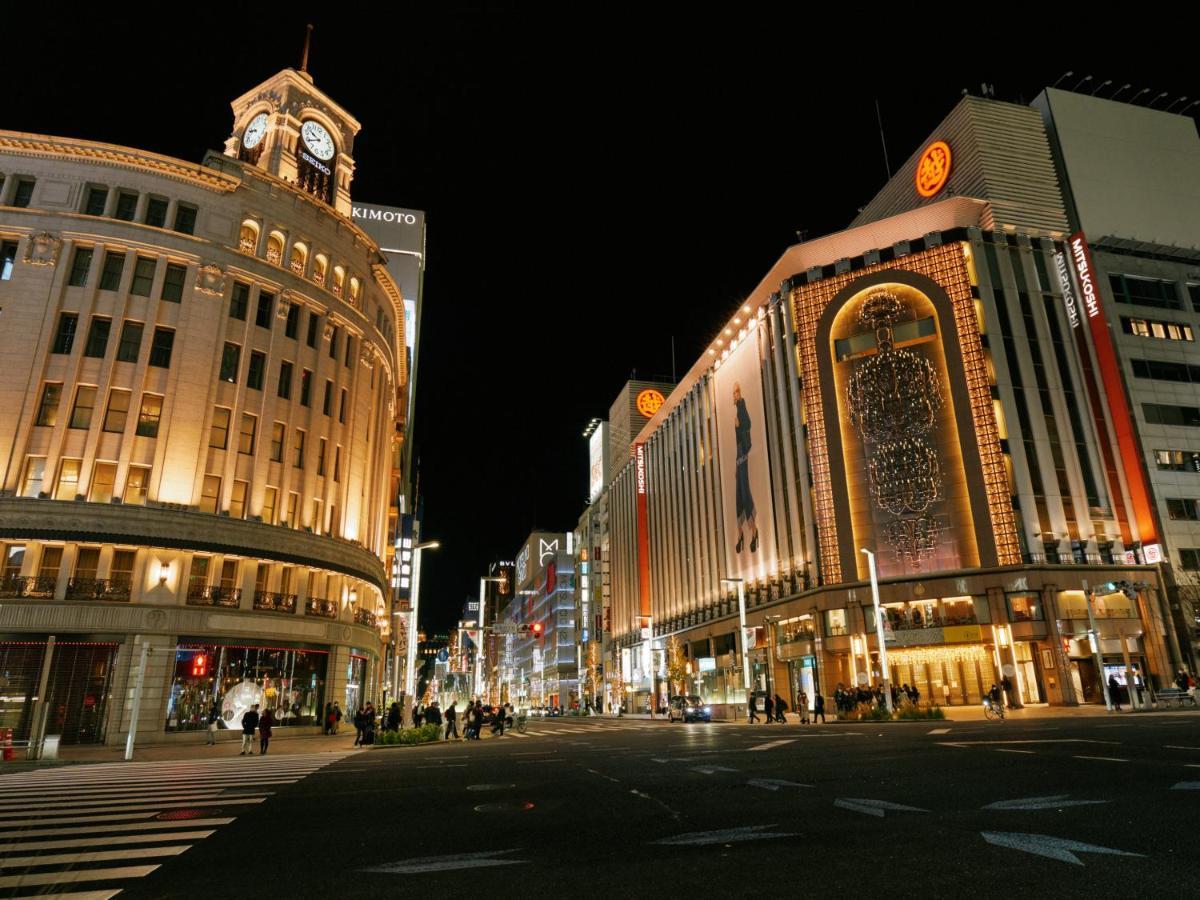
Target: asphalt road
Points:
x,y
630,808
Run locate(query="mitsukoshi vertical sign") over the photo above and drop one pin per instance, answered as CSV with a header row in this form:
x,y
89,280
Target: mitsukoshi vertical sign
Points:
x,y
746,500
643,530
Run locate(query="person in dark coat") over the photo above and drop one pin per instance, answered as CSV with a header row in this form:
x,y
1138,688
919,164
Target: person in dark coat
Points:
x,y
818,707
452,722
265,722
752,708
329,718
393,719
249,723
337,717
359,727
769,708
214,716
1114,692
477,720
745,499
780,708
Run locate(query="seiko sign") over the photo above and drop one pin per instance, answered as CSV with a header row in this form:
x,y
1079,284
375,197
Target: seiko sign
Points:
x,y
383,215
316,164
1084,272
1068,290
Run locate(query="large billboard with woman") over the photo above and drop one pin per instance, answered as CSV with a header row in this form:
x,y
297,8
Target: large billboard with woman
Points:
x,y
746,497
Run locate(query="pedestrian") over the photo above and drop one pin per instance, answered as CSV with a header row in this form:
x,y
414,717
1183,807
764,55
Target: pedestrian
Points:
x,y
417,715
265,722
498,721
780,709
1006,685
433,714
752,708
337,717
769,708
393,719
818,708
329,718
802,707
452,722
214,716
477,720
1114,688
1181,680
369,724
358,727
249,723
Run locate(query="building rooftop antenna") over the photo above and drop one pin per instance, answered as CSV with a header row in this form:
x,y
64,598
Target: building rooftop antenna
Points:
x,y
307,41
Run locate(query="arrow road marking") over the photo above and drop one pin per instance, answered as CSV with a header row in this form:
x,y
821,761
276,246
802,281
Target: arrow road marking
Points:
x,y
940,731
774,784
725,836
771,744
875,807
447,863
1056,801
1186,786
708,770
1048,846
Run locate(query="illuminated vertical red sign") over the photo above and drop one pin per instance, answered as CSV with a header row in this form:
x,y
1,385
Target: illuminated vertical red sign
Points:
x,y
643,530
1114,389
199,665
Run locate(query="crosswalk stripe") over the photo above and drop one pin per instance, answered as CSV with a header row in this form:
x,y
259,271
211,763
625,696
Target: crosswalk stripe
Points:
x,y
48,793
138,803
5,820
108,829
107,840
75,895
76,876
23,806
55,859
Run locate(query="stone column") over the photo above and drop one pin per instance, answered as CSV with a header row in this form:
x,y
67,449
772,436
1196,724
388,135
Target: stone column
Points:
x,y
1062,665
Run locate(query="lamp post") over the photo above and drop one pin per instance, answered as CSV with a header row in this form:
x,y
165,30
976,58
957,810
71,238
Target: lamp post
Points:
x,y
883,660
770,621
1097,652
480,682
411,643
741,597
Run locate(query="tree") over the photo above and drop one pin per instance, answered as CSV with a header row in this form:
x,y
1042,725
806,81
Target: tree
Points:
x,y
676,666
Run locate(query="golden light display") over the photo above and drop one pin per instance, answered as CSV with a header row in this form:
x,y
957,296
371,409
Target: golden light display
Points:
x,y
649,402
933,169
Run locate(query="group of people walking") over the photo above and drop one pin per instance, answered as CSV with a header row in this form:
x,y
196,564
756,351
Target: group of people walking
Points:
x,y
775,708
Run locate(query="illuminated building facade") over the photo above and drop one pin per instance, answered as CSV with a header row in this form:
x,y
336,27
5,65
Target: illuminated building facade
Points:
x,y
199,396
911,386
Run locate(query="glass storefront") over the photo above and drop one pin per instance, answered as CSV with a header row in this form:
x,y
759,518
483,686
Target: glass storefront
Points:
x,y
356,674
80,678
286,680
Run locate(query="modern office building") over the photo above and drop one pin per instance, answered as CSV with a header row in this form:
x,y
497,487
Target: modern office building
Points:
x,y
912,386
203,369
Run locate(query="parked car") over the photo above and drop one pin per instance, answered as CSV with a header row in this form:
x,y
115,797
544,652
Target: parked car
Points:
x,y
688,709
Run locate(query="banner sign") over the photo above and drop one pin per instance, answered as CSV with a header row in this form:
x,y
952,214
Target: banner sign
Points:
x,y
643,530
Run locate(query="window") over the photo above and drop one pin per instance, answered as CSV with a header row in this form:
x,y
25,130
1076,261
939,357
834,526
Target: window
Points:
x,y
68,479
156,212
104,479
131,341
293,505
254,375
210,494
1024,608
237,500
327,402
305,387
149,414
97,339
1164,414
835,621
185,219
1189,558
8,256
293,321
313,321
172,289
349,352
35,474
198,576
1183,508
298,448
342,408
262,316
50,563
1170,331
246,435
1140,291
110,275
143,276
278,434
126,206
333,520
316,517
337,463
284,388
321,457
121,571
64,338
23,193
160,347
81,263
118,411
1177,460
333,342
268,510
218,432
87,562
239,301
1165,371
48,409
13,559
137,482
231,356
96,198
81,412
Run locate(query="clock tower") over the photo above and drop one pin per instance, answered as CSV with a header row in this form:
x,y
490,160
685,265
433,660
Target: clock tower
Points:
x,y
289,128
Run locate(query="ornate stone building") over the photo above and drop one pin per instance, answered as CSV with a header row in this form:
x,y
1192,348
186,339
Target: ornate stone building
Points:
x,y
198,402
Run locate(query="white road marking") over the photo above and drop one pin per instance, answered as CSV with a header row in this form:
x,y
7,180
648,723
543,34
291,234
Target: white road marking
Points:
x,y
709,770
1186,786
874,807
215,787
1048,846
42,878
421,864
154,807
108,829
774,784
940,731
1056,801
445,766
23,807
1011,750
81,895
1102,758
107,840
724,836
526,762
54,859
772,744
1177,747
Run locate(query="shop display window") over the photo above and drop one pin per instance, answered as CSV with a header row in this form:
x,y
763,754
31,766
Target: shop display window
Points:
x,y
1025,608
288,681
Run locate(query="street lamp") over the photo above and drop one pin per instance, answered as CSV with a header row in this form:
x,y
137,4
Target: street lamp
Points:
x,y
411,643
741,597
883,660
479,681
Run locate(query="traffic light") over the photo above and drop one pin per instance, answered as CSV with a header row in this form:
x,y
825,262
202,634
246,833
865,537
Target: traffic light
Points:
x,y
536,629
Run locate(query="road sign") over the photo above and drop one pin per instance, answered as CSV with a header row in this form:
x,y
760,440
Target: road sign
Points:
x,y
443,655
505,628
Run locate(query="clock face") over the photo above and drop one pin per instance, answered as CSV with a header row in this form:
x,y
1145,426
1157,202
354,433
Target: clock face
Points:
x,y
254,132
317,139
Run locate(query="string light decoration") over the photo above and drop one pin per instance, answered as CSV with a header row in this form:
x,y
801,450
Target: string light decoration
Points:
x,y
894,398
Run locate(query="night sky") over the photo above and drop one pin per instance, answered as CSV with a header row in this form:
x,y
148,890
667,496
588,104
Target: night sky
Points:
x,y
596,181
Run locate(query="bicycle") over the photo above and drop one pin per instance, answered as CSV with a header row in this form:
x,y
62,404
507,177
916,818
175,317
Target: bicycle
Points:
x,y
992,710
520,725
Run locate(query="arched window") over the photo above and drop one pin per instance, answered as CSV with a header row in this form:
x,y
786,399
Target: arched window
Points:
x,y
339,279
299,258
275,248
248,237
320,265
355,287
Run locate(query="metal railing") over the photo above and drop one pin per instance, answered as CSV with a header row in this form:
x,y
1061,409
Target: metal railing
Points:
x,y
326,609
214,595
98,589
365,617
27,586
270,601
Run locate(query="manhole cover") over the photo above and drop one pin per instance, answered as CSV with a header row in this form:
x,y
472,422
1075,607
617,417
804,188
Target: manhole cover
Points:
x,y
504,807
177,814
490,787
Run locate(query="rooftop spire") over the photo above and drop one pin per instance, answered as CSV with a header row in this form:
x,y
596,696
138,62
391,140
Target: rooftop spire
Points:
x,y
307,41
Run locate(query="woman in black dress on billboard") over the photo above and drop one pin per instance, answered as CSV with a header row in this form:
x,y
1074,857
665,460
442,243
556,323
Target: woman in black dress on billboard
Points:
x,y
745,500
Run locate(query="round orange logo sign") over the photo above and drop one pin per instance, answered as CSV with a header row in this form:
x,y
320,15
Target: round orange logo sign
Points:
x,y
649,402
933,169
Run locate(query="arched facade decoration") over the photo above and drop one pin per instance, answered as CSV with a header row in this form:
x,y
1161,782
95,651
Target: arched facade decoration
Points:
x,y
248,237
320,269
299,258
275,244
